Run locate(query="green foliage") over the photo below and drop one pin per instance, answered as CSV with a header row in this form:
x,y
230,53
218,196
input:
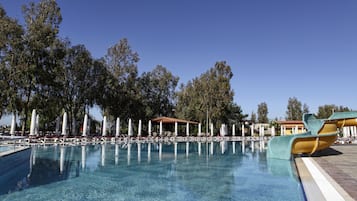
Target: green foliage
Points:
x,y
326,110
158,92
294,109
121,96
305,108
78,86
209,96
11,63
235,114
263,113
253,117
43,54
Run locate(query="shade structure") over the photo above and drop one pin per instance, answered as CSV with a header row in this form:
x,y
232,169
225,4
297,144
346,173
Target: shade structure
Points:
x,y
170,120
149,129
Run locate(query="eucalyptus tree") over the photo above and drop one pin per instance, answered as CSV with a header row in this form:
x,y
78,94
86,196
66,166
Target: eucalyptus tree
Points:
x,y
78,65
43,54
263,113
235,114
207,97
325,111
121,95
158,92
294,109
253,117
11,63
305,108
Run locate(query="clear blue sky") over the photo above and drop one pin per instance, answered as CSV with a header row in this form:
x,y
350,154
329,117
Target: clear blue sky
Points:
x,y
276,48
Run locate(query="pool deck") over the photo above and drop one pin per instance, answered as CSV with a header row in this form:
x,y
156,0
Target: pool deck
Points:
x,y
330,174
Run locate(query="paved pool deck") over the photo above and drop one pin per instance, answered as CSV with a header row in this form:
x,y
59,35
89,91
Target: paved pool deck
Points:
x,y
340,162
337,167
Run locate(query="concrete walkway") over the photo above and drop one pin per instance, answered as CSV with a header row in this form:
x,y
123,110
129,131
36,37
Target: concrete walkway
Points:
x,y
340,163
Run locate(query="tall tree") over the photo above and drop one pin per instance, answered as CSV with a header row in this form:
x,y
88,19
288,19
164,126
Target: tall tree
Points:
x,y
11,63
78,83
305,108
235,114
263,113
326,110
42,56
158,92
294,109
208,96
122,88
253,117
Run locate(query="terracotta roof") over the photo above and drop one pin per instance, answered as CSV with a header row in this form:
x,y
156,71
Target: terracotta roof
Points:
x,y
170,120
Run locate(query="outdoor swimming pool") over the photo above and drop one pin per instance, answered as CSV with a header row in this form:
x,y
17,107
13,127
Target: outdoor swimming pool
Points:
x,y
153,171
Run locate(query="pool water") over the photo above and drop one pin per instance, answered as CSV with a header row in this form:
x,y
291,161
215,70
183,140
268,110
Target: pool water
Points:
x,y
154,171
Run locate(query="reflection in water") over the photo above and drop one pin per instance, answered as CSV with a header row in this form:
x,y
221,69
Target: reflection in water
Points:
x,y
129,153
199,148
83,156
103,155
139,152
175,150
261,145
160,151
170,164
149,152
62,153
243,146
234,147
34,156
116,154
211,148
187,148
223,145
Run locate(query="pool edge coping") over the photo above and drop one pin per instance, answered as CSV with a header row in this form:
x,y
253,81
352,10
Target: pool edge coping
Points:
x,y
312,186
12,151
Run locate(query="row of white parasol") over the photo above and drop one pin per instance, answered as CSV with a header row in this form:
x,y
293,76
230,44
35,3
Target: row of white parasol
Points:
x,y
34,127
